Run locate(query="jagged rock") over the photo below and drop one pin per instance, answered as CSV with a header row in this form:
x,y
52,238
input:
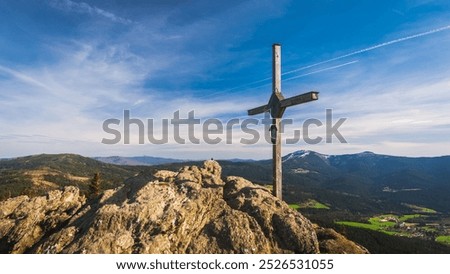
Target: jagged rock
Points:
x,y
165,175
332,242
25,221
282,226
190,211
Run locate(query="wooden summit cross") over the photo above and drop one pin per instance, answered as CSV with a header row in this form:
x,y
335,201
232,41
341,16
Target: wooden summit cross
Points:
x,y
276,106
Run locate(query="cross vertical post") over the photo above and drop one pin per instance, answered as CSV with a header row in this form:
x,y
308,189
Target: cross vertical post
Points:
x,y
276,133
276,106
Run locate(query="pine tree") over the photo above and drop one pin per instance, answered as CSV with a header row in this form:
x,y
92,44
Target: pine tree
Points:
x,y
94,187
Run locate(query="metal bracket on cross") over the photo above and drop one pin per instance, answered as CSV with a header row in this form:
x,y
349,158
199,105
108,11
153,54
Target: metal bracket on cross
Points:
x,y
277,104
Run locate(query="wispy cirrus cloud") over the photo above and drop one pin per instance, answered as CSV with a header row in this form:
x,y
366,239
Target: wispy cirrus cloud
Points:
x,y
82,7
49,107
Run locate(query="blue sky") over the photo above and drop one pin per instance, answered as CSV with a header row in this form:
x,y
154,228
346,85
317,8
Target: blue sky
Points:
x,y
66,66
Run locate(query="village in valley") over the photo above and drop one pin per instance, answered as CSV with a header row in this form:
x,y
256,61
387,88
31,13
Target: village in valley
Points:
x,y
423,223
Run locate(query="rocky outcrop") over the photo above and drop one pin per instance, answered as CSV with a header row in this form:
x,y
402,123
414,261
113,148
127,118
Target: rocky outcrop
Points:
x,y
189,211
24,221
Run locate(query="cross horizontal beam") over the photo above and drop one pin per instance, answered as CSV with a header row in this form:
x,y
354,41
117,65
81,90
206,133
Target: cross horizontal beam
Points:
x,y
258,110
295,100
300,99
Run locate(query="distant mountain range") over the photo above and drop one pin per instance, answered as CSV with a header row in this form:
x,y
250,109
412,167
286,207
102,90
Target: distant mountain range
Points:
x,y
362,182
358,182
379,170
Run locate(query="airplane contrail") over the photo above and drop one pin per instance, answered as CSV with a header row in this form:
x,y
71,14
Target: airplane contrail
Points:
x,y
395,41
312,72
287,79
22,77
320,70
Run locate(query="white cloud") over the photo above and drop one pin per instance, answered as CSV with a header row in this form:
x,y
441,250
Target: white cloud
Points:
x,y
60,106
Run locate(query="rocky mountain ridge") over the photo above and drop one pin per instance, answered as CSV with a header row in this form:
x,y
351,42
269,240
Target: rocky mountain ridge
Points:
x,y
190,211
